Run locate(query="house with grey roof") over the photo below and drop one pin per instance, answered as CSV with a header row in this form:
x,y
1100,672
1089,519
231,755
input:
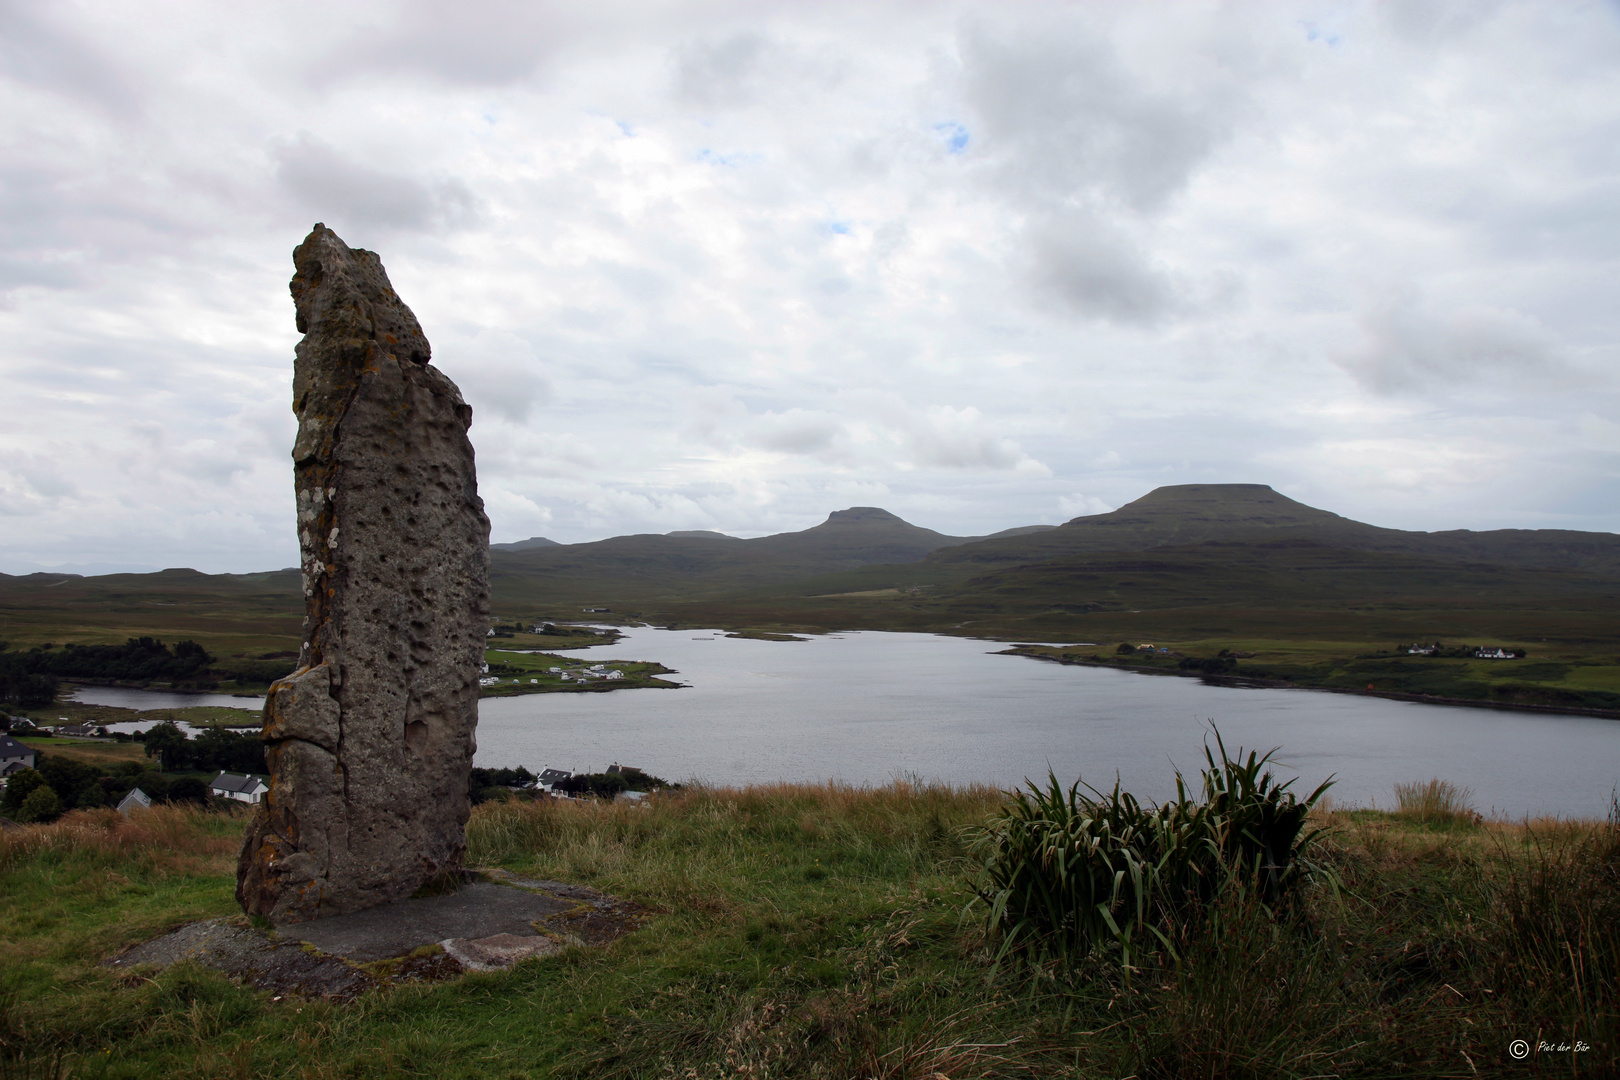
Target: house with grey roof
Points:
x,y
135,800
248,789
550,778
14,756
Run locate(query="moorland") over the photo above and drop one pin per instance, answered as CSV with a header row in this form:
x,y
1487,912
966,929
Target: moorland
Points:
x,y
1231,581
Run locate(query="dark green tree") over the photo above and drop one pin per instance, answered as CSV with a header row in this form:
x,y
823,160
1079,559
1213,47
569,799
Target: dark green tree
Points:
x,y
19,786
40,805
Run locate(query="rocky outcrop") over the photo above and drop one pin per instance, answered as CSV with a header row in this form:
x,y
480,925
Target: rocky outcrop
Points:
x,y
370,740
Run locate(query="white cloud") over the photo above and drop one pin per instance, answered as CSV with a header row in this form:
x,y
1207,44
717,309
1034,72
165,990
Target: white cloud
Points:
x,y
1081,505
719,265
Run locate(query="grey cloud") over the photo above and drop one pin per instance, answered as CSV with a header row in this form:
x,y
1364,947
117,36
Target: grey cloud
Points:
x,y
798,431
478,42
1088,267
721,74
745,69
336,188
36,49
1434,22
499,373
1408,345
1066,120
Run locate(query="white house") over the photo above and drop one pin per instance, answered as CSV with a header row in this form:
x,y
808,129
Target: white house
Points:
x,y
1495,654
549,778
248,789
14,756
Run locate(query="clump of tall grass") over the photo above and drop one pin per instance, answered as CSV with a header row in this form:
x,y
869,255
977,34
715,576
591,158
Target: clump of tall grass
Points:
x,y
1064,874
1557,932
1435,802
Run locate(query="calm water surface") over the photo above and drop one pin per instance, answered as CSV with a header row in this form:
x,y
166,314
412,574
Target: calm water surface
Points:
x,y
866,707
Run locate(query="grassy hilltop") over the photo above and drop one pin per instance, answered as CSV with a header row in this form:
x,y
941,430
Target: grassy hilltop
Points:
x,y
824,931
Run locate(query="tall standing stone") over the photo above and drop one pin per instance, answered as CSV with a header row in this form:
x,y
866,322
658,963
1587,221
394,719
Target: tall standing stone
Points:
x,y
370,741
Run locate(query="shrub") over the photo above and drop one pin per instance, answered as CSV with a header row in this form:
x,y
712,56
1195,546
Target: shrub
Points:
x,y
40,805
1067,873
19,786
187,789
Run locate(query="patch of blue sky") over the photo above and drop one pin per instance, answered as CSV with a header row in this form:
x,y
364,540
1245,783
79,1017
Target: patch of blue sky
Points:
x,y
955,135
730,161
1326,35
626,127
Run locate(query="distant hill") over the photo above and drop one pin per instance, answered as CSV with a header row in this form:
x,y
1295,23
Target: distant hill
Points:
x,y
687,564
525,545
1185,559
1253,514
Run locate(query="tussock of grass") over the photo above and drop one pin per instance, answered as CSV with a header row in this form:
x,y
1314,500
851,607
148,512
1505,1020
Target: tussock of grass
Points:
x,y
1436,802
818,931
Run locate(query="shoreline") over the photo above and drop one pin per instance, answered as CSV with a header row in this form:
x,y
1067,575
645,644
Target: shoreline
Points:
x,y
1251,683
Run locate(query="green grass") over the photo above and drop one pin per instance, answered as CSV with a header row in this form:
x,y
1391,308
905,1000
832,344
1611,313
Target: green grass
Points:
x,y
801,931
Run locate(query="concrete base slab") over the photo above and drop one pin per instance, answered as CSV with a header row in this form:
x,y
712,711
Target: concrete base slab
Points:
x,y
485,925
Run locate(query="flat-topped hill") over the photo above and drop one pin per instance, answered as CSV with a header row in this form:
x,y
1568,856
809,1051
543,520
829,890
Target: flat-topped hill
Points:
x,y
1253,515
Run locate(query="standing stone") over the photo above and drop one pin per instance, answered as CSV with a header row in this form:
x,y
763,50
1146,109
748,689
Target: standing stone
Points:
x,y
370,741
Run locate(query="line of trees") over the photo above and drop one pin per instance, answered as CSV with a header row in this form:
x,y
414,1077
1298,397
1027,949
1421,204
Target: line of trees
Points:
x,y
213,750
22,686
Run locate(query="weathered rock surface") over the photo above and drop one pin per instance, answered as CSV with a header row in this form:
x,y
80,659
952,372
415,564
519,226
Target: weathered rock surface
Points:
x,y
370,740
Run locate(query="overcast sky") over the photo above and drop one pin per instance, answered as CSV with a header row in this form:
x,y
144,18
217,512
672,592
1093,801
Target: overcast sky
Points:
x,y
736,265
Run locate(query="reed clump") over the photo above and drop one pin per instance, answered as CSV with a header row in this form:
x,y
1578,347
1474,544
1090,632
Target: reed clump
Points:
x,y
1436,802
1066,873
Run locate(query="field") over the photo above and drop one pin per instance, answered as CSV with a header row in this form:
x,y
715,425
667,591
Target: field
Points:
x,y
105,754
826,932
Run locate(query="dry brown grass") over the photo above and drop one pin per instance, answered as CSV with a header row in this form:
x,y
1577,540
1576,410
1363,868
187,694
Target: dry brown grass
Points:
x,y
180,839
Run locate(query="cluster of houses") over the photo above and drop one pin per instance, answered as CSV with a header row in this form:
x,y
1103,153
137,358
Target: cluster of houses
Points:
x,y
595,671
1484,652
